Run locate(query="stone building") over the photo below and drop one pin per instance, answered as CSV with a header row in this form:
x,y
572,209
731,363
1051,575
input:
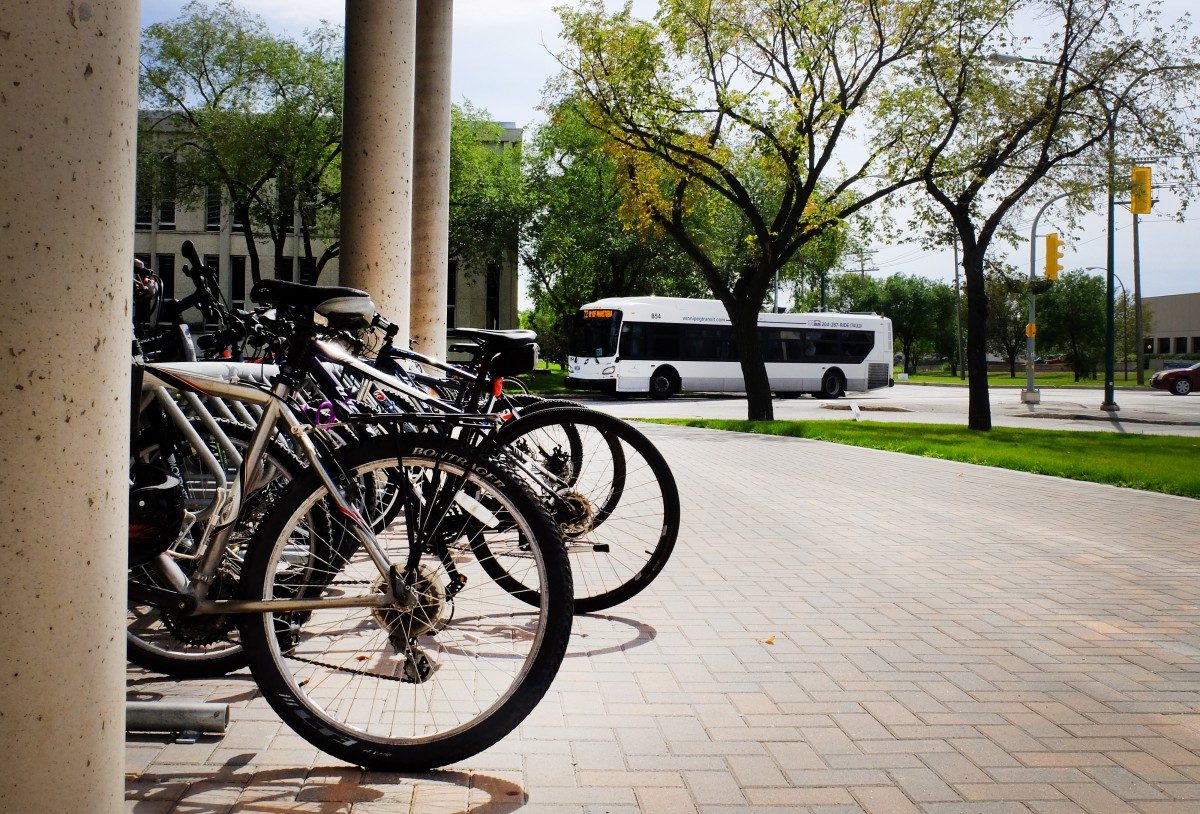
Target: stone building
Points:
x,y
1174,325
478,296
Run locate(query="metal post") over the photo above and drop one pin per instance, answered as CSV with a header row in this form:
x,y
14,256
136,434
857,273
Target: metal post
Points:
x,y
1030,394
1138,339
1110,315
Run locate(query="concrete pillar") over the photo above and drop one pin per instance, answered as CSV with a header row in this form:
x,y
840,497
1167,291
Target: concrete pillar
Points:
x,y
431,181
68,119
377,145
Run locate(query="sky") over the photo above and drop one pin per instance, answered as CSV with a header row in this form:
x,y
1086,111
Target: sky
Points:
x,y
503,58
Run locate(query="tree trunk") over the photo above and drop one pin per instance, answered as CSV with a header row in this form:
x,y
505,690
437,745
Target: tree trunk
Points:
x,y
979,408
1012,365
759,406
251,247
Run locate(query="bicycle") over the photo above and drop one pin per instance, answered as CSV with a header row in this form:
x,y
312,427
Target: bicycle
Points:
x,y
360,588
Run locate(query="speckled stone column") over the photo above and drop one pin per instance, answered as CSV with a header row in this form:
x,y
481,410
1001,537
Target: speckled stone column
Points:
x,y
377,148
68,113
431,177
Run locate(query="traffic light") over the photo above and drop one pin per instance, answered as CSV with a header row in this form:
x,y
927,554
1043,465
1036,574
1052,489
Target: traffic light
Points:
x,y
1139,195
1054,255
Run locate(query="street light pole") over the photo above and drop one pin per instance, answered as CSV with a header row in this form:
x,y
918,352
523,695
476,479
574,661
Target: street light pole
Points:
x,y
1030,394
1124,319
1110,315
1137,305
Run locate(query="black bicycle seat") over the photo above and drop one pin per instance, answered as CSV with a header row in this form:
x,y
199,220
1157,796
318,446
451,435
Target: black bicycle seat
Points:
x,y
327,300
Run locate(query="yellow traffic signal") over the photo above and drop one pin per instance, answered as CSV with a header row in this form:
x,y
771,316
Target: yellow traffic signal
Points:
x,y
1139,196
1054,255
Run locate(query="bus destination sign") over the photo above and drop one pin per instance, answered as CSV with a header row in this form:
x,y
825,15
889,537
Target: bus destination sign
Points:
x,y
597,313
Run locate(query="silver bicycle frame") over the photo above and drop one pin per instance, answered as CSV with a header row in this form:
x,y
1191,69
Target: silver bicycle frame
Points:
x,y
191,378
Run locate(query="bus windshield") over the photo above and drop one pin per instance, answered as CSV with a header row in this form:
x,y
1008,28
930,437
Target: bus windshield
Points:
x,y
596,332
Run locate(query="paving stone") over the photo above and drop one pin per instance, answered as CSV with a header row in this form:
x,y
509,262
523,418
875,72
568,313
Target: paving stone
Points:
x,y
952,650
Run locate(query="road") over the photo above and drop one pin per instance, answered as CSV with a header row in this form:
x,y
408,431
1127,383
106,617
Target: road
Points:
x,y
1143,411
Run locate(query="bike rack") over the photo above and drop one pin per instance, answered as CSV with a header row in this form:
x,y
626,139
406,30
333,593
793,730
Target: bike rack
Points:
x,y
186,720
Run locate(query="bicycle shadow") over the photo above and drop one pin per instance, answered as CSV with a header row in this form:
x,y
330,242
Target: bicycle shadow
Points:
x,y
594,633
318,788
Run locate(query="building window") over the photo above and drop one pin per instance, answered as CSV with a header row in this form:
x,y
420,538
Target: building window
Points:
x,y
166,193
237,280
283,269
1181,344
492,299
1164,344
143,211
166,270
212,210
308,270
145,259
1196,344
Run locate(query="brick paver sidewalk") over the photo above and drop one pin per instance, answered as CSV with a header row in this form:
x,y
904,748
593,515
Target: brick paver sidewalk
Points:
x,y
840,630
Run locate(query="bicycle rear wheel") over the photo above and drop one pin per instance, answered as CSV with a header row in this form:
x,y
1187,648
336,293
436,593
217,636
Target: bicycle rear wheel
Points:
x,y
609,490
201,646
404,688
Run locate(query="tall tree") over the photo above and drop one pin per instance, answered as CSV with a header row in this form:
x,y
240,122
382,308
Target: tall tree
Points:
x,y
911,304
985,131
255,115
1007,295
1072,321
742,111
489,196
574,245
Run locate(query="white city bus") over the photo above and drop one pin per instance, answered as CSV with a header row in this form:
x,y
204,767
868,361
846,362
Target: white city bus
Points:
x,y
663,345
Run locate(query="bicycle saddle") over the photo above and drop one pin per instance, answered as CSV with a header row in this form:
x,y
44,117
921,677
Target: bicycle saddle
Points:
x,y
496,340
326,300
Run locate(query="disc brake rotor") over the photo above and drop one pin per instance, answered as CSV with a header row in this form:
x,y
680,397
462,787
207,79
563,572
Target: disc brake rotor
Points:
x,y
428,611
575,514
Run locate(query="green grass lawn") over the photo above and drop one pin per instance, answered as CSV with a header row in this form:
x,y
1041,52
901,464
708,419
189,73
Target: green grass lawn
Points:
x,y
1157,463
543,380
1041,378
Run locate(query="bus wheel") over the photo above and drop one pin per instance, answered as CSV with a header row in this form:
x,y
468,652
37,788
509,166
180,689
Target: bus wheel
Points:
x,y
664,383
832,386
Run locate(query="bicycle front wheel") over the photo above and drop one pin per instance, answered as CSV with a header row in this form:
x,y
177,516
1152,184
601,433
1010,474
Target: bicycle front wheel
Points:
x,y
407,687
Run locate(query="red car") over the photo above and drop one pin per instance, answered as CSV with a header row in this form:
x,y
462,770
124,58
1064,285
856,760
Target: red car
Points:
x,y
1179,381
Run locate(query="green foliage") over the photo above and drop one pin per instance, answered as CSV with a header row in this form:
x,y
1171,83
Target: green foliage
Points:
x,y
489,197
844,293
986,134
1071,321
252,114
574,245
731,127
1007,303
912,304
1149,462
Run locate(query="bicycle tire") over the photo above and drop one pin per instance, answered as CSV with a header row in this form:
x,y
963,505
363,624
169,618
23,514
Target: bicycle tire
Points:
x,y
158,641
338,677
631,493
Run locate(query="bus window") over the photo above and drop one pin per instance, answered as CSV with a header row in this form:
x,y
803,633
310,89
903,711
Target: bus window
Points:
x,y
633,341
662,341
595,334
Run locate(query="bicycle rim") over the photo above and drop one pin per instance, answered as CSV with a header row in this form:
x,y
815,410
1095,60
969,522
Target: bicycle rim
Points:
x,y
610,492
405,688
